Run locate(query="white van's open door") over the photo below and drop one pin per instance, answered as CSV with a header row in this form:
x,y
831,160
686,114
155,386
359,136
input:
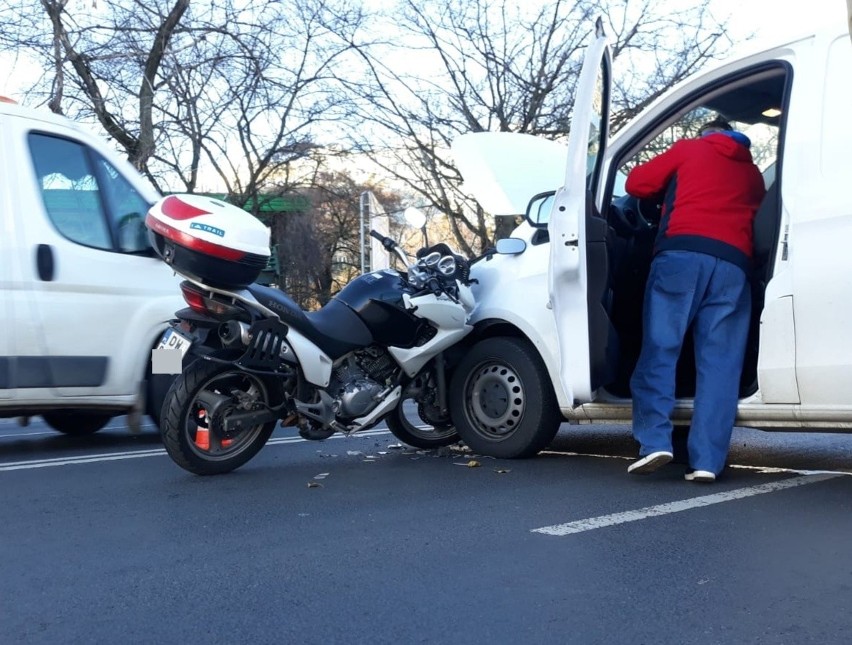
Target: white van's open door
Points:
x,y
575,281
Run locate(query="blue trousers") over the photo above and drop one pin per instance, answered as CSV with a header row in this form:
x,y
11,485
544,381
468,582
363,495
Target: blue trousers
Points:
x,y
686,287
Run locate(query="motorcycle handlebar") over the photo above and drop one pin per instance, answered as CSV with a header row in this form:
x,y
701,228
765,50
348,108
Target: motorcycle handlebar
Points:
x,y
389,245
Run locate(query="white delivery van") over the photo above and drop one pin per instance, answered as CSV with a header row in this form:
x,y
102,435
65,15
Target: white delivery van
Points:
x,y
558,323
83,298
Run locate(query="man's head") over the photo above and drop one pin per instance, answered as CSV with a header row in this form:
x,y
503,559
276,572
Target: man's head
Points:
x,y
716,125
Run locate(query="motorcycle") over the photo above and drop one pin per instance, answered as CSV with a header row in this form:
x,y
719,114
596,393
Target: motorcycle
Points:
x,y
252,357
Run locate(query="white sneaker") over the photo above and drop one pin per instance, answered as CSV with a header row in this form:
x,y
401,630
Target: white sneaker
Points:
x,y
699,476
650,463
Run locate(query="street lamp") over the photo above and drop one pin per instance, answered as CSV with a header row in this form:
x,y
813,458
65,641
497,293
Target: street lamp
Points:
x,y
416,218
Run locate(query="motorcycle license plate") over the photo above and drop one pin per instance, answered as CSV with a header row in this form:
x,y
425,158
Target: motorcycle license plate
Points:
x,y
174,340
167,358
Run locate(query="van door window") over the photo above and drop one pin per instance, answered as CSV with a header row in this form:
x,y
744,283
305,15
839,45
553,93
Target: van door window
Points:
x,y
86,198
126,208
70,191
763,136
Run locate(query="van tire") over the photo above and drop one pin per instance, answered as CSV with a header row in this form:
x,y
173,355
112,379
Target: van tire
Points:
x,y
76,423
156,388
501,400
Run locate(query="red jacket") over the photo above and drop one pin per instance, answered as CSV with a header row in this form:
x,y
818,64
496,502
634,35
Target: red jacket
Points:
x,y
712,191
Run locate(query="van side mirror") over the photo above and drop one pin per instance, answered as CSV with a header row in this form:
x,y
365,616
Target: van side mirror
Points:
x,y
510,246
538,210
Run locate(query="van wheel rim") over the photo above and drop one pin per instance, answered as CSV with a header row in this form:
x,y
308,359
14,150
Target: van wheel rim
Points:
x,y
495,400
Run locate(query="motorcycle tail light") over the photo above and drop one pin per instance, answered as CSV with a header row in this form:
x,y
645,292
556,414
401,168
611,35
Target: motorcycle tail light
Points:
x,y
194,298
206,304
222,309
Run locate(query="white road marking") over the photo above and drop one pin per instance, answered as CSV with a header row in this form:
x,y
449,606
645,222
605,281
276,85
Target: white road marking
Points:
x,y
603,521
136,454
56,433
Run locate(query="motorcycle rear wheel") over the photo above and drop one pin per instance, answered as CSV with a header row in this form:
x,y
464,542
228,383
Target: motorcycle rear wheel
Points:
x,y
198,443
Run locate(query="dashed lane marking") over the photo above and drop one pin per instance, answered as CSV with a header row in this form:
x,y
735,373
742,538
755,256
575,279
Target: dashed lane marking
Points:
x,y
603,521
136,454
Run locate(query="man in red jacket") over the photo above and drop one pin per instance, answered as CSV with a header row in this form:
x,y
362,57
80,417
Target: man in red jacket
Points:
x,y
699,277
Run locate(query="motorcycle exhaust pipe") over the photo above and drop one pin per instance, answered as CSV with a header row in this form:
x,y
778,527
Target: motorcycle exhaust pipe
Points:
x,y
234,332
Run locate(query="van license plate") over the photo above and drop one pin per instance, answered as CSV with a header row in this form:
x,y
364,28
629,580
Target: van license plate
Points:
x,y
172,339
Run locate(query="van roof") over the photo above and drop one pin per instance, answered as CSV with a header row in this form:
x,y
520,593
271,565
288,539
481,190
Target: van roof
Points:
x,y
719,68
14,108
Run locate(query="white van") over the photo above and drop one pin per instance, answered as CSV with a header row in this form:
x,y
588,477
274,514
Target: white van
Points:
x,y
83,299
558,324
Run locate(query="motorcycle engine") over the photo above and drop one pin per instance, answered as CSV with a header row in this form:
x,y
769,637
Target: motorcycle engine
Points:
x,y
357,381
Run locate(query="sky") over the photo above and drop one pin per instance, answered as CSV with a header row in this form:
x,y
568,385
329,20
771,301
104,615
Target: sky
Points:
x,y
777,20
770,20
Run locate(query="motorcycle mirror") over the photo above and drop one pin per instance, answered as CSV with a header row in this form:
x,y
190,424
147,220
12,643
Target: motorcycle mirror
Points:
x,y
511,246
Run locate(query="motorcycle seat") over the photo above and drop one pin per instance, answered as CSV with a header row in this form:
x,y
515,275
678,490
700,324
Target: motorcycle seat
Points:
x,y
335,329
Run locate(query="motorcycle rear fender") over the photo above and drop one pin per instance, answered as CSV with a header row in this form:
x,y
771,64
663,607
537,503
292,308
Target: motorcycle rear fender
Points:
x,y
316,365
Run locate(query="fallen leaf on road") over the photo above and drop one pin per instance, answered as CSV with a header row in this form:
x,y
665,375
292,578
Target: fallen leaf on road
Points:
x,y
314,485
470,464
502,470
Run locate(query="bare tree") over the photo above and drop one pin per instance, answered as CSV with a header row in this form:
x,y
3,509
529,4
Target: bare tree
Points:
x,y
495,65
237,86
319,246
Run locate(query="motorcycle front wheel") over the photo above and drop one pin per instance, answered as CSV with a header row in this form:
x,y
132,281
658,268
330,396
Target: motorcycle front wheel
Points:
x,y
194,434
406,424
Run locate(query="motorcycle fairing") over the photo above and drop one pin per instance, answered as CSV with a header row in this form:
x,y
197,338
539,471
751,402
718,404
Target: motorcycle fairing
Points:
x,y
377,298
450,324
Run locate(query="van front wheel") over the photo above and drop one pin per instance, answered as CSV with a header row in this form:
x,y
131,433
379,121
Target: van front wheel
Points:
x,y
502,401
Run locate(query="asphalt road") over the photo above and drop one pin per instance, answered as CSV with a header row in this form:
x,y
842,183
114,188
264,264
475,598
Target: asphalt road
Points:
x,y
359,540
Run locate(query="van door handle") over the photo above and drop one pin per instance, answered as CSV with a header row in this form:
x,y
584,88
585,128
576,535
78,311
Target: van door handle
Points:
x,y
44,262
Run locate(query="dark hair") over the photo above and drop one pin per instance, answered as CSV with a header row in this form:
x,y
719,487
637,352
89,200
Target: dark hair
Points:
x,y
716,124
